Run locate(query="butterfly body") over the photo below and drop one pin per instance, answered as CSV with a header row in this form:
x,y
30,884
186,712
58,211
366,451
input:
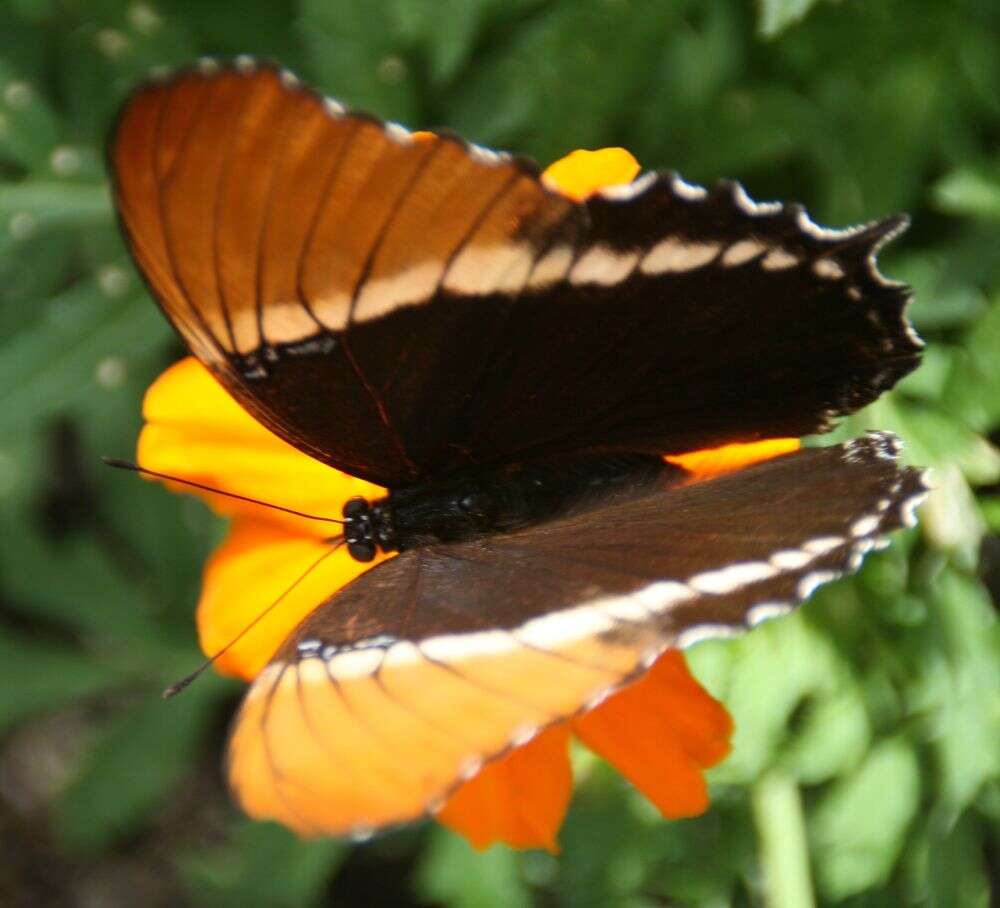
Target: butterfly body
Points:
x,y
471,504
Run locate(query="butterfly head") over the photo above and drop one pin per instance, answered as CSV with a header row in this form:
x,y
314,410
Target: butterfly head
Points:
x,y
367,528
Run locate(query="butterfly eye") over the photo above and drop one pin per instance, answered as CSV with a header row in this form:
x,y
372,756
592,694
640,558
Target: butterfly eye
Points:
x,y
361,549
358,530
355,508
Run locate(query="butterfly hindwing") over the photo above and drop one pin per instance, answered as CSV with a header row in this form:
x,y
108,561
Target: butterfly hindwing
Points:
x,y
398,306
390,693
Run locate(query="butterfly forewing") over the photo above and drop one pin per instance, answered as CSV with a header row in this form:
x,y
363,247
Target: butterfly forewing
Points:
x,y
390,693
399,306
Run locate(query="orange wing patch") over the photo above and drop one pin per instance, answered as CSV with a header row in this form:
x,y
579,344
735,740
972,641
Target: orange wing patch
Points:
x,y
712,462
373,737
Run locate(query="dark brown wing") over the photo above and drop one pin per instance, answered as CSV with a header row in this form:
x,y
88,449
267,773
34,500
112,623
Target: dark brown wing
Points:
x,y
400,305
406,680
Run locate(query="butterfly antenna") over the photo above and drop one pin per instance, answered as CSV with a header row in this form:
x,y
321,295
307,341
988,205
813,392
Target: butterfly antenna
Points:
x,y
178,686
135,468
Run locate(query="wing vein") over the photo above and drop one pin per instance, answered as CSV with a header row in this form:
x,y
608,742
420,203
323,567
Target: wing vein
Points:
x,y
161,179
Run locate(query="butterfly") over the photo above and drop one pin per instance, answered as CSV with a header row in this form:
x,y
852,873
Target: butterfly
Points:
x,y
513,366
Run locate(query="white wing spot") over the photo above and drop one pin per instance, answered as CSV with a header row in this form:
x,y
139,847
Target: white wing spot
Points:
x,y
333,108
355,663
733,577
828,268
382,295
741,252
791,559
625,608
490,269
694,635
660,596
673,254
602,265
864,526
552,267
398,133
779,260
765,611
809,583
558,628
454,647
485,155
820,545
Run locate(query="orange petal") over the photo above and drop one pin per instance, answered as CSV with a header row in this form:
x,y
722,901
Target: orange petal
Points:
x,y
195,430
716,461
582,173
660,733
520,800
256,563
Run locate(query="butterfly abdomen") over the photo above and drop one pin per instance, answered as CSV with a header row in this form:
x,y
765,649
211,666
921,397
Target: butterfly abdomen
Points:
x,y
477,503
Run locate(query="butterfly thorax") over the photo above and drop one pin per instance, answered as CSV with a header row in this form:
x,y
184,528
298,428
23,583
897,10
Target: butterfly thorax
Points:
x,y
477,503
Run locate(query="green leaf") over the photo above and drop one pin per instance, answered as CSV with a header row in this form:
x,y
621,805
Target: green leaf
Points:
x,y
605,843
447,30
948,441
54,365
573,71
945,866
831,736
858,826
776,15
42,204
782,668
700,861
139,758
949,517
359,55
74,585
37,677
973,392
970,192
989,506
261,865
460,877
29,129
943,294
964,716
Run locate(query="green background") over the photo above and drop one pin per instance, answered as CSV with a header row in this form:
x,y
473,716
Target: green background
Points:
x,y
865,769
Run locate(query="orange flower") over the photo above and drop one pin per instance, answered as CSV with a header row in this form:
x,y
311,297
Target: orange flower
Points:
x,y
660,732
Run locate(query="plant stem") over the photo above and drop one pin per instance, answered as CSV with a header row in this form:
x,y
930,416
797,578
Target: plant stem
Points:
x,y
781,831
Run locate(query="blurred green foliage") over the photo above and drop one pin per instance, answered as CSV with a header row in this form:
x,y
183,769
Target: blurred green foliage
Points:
x,y
867,750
